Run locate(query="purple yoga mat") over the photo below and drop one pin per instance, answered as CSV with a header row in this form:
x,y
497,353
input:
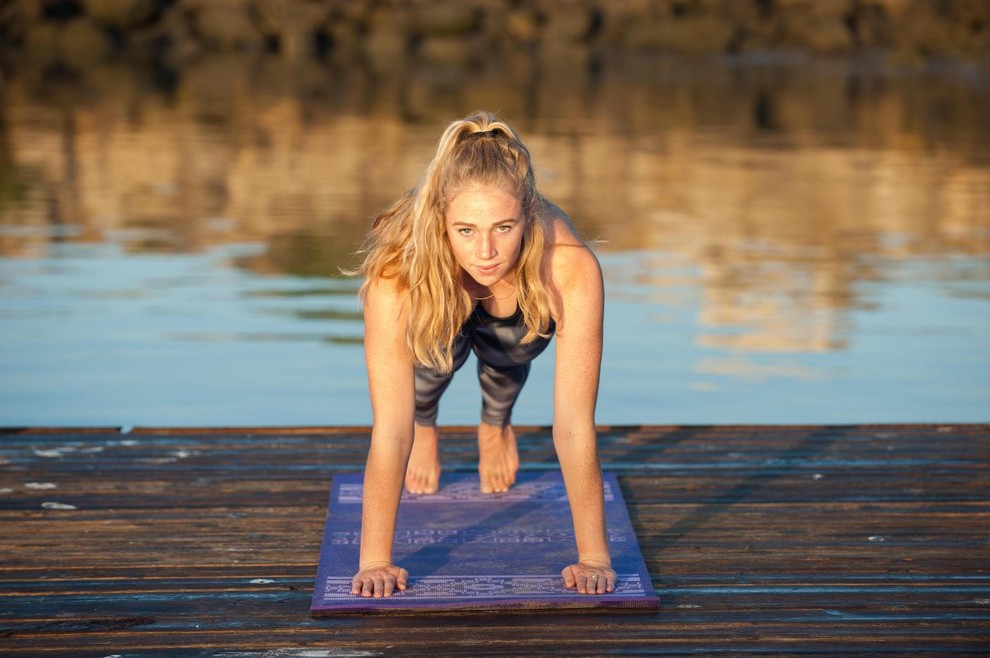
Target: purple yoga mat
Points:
x,y
469,551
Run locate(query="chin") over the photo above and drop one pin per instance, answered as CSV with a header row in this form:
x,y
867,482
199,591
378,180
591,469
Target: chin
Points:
x,y
488,279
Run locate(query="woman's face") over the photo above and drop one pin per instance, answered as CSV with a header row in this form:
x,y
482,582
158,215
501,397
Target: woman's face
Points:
x,y
485,227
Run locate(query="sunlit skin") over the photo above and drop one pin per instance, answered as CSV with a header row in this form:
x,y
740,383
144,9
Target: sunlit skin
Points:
x,y
485,228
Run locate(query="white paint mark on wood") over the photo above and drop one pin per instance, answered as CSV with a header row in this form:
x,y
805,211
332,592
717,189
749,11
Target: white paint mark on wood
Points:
x,y
58,506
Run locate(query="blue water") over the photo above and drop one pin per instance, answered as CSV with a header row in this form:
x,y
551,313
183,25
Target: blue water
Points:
x,y
95,336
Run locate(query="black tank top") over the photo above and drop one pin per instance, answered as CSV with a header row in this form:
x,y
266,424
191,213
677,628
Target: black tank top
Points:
x,y
498,341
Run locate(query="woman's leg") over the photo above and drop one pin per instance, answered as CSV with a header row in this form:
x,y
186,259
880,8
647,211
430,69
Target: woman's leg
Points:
x,y
423,469
498,456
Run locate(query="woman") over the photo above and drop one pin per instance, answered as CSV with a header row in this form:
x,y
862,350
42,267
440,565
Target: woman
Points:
x,y
476,258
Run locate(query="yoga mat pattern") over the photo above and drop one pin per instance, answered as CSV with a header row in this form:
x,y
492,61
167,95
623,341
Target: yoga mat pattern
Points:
x,y
469,551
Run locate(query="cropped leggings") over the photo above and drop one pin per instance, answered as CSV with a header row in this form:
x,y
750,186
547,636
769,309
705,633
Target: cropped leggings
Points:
x,y
503,366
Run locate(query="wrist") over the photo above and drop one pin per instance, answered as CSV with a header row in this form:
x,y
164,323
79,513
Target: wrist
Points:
x,y
595,561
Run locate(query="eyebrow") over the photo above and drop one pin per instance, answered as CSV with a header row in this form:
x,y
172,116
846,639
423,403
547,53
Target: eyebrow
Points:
x,y
511,220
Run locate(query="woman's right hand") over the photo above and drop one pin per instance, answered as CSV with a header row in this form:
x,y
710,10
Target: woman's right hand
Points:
x,y
379,579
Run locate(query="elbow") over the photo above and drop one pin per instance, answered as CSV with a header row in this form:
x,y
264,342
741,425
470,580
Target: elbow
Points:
x,y
574,434
393,435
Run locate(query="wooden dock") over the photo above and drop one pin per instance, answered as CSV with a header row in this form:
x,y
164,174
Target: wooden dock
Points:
x,y
781,540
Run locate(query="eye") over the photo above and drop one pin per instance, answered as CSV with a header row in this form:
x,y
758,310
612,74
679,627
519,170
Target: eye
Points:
x,y
504,228
464,231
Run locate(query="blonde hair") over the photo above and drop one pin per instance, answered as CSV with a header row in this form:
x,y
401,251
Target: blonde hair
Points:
x,y
408,240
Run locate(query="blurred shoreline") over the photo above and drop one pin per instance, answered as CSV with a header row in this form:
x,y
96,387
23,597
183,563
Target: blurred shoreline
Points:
x,y
391,37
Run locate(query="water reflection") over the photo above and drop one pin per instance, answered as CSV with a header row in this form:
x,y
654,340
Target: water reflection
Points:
x,y
762,198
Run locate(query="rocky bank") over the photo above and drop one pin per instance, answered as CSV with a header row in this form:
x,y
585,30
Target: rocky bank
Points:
x,y
390,34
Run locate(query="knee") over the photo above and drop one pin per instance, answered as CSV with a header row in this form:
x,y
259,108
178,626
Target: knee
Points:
x,y
513,376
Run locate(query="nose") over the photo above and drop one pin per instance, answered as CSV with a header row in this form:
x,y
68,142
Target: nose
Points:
x,y
486,247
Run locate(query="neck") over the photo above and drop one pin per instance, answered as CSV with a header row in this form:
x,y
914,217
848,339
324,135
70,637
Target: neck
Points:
x,y
500,290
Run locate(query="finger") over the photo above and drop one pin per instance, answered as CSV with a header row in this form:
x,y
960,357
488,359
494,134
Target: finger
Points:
x,y
610,582
400,580
601,584
356,585
389,586
367,587
379,587
569,580
582,583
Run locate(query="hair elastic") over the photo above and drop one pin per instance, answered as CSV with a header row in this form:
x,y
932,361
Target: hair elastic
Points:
x,y
486,133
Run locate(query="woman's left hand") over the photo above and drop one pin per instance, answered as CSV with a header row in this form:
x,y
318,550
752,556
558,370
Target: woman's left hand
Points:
x,y
589,578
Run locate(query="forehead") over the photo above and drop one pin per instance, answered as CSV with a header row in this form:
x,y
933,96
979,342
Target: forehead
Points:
x,y
479,204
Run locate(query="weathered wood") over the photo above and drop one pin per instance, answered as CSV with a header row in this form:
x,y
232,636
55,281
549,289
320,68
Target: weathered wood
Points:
x,y
192,542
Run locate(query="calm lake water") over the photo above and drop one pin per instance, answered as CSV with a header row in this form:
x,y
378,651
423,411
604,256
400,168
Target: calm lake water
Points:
x,y
783,241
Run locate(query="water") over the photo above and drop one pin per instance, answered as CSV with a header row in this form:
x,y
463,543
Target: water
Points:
x,y
782,242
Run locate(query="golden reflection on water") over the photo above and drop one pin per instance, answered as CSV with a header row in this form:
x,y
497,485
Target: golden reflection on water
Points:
x,y
772,188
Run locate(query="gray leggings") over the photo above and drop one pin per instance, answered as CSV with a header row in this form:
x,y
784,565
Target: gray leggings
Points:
x,y
503,366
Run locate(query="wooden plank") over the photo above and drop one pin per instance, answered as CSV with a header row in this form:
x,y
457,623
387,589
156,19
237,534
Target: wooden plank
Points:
x,y
759,539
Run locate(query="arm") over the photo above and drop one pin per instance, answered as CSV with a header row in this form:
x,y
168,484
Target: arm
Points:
x,y
578,281
392,389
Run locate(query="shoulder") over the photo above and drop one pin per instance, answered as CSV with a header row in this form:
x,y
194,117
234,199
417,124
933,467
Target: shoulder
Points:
x,y
561,228
571,260
386,316
575,273
574,268
385,297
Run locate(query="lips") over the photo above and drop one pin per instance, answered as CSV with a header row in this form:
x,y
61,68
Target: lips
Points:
x,y
488,269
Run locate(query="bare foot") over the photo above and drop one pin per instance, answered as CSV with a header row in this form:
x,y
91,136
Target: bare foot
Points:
x,y
423,469
498,458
